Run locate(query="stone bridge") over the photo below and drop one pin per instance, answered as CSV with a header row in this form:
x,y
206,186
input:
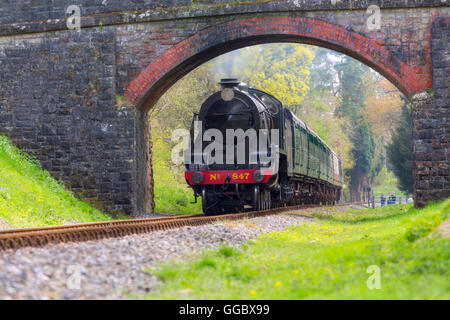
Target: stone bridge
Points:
x,y
61,90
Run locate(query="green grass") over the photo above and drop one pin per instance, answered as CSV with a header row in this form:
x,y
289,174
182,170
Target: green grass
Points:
x,y
175,199
30,197
172,193
328,259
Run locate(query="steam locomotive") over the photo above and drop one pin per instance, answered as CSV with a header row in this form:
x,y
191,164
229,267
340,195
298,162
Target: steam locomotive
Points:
x,y
248,152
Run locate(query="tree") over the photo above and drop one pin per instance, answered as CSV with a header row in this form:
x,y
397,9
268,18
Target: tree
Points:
x,y
399,151
363,155
176,107
174,110
352,109
280,69
318,107
383,104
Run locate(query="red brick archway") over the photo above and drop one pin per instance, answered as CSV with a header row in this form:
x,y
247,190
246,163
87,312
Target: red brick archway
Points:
x,y
209,43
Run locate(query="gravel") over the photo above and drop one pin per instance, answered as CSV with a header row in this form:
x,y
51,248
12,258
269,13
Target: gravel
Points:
x,y
114,268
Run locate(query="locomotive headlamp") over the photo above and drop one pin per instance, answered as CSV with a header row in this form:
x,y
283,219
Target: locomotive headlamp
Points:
x,y
197,177
258,176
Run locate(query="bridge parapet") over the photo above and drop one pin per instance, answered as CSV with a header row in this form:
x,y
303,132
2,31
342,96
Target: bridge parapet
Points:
x,y
25,16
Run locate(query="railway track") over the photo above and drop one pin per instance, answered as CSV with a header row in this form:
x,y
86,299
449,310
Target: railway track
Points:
x,y
41,236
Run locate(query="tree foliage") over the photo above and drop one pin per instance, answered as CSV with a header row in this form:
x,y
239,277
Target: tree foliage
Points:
x,y
383,104
358,128
399,151
282,69
176,107
383,108
318,107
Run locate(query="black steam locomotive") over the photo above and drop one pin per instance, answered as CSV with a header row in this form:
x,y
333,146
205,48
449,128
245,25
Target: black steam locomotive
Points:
x,y
248,152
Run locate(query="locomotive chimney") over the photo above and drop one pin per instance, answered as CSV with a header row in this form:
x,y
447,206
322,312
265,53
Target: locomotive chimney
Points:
x,y
229,83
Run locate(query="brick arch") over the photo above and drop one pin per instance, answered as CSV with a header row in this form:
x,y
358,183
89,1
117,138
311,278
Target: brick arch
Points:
x,y
177,61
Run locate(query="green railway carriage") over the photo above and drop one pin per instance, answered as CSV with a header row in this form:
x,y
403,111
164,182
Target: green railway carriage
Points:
x,y
314,169
312,157
307,163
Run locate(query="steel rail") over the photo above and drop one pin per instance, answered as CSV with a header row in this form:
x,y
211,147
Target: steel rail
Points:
x,y
38,237
99,224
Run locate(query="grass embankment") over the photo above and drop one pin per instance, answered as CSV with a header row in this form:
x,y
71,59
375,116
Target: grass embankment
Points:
x,y
328,259
172,194
175,199
30,197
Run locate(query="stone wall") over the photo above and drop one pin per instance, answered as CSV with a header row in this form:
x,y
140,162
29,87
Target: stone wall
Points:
x,y
24,16
431,123
57,100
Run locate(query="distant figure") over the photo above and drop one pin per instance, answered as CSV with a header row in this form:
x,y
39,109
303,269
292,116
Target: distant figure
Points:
x,y
391,199
399,199
394,198
383,200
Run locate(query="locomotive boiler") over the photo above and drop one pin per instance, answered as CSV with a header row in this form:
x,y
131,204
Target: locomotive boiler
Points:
x,y
249,152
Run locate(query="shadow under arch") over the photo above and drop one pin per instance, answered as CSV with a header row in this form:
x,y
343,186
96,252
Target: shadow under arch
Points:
x,y
163,72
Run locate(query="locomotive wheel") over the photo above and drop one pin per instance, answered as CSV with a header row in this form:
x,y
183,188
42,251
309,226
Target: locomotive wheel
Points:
x,y
266,204
263,200
266,200
205,204
256,198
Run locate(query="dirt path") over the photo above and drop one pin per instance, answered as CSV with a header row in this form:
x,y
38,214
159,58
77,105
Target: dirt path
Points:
x,y
444,229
